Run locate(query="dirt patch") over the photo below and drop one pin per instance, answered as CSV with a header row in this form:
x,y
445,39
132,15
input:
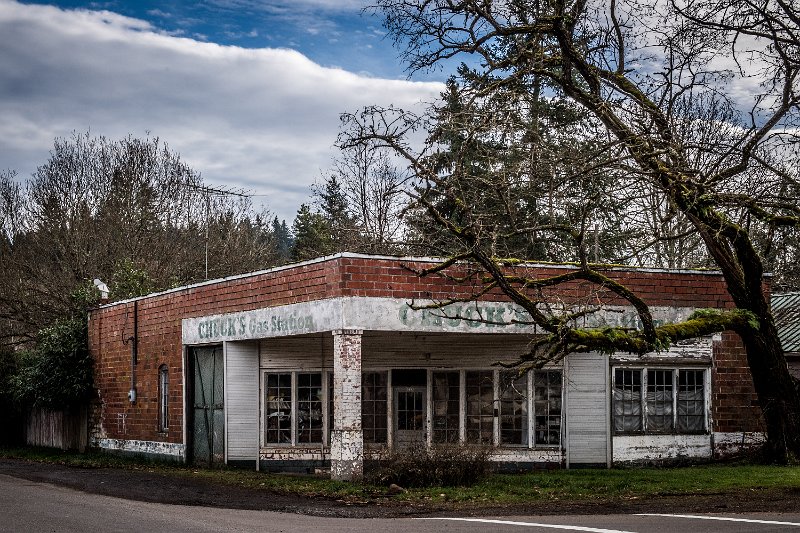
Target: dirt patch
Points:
x,y
144,485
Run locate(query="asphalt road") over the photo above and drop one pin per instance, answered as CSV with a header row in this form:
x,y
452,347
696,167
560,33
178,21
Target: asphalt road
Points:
x,y
32,506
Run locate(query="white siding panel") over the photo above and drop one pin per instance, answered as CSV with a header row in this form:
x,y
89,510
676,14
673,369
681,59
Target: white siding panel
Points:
x,y
241,401
385,350
587,409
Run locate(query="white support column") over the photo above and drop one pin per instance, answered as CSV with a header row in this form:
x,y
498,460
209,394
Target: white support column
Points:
x,y
347,437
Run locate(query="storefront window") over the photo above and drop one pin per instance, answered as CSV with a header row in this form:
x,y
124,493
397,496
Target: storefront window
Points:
x,y
446,402
309,408
514,408
480,406
547,406
655,411
659,401
373,406
691,401
278,409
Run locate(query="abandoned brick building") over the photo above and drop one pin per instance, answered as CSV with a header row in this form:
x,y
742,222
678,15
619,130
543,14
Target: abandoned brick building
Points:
x,y
319,364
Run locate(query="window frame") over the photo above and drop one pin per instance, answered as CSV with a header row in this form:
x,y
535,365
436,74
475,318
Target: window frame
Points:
x,y
675,371
294,410
163,398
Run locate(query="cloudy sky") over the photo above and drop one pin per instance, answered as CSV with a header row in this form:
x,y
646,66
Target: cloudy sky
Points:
x,y
247,91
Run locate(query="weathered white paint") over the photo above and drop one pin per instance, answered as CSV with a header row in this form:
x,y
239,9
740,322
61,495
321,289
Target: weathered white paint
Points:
x,y
299,453
385,350
587,409
241,401
527,455
391,314
733,443
641,448
699,349
145,447
347,438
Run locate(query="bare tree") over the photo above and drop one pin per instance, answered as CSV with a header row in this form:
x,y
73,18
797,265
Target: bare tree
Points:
x,y
648,76
361,200
105,209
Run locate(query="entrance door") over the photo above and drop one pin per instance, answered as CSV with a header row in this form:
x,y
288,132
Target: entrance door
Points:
x,y
587,410
207,409
410,413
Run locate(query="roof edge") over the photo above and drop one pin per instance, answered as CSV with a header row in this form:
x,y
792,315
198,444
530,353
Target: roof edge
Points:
x,y
416,259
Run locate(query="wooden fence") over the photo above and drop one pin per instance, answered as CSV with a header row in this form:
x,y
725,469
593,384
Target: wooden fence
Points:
x,y
65,429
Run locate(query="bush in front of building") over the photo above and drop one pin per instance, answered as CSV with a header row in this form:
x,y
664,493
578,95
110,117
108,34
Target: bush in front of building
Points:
x,y
440,465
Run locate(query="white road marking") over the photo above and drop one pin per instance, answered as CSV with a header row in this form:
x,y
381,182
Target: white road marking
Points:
x,y
725,519
530,524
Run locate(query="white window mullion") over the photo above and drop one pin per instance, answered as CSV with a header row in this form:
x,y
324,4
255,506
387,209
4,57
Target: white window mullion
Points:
x,y
462,406
531,414
643,399
675,386
294,409
429,409
496,407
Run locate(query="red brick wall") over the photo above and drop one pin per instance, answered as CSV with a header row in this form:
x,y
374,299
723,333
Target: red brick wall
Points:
x,y
389,279
160,325
733,398
160,341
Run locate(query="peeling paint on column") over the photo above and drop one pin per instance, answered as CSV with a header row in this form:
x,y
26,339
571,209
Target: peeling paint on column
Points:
x,y
347,438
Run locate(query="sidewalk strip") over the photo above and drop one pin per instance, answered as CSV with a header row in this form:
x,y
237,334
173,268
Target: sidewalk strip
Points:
x,y
725,519
529,524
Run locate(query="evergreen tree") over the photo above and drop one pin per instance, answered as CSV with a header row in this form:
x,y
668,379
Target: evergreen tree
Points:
x,y
312,235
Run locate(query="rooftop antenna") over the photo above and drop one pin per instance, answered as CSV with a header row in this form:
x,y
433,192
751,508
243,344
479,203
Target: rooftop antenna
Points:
x,y
207,192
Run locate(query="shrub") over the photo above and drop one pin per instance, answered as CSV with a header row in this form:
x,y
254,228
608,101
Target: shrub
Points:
x,y
56,373
440,465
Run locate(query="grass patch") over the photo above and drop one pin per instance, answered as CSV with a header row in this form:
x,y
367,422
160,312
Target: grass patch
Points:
x,y
497,489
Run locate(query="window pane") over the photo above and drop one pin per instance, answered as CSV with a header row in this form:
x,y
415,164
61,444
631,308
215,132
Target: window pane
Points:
x,y
410,410
309,408
480,406
446,392
163,398
691,401
278,427
547,406
373,406
627,400
513,408
659,401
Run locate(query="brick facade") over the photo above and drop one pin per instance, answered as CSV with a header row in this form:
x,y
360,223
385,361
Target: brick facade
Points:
x,y
160,315
733,397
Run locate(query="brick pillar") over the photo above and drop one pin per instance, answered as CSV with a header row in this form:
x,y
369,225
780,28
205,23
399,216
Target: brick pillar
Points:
x,y
347,438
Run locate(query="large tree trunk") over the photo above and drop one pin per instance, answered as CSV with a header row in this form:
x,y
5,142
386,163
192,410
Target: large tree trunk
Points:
x,y
743,271
777,393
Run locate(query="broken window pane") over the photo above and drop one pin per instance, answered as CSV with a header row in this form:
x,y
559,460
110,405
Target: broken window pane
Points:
x,y
278,409
480,406
513,408
547,406
446,392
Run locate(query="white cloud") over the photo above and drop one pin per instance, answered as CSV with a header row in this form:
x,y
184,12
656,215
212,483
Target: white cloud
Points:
x,y
261,119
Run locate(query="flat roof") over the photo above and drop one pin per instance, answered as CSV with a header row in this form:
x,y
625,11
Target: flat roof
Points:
x,y
415,259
